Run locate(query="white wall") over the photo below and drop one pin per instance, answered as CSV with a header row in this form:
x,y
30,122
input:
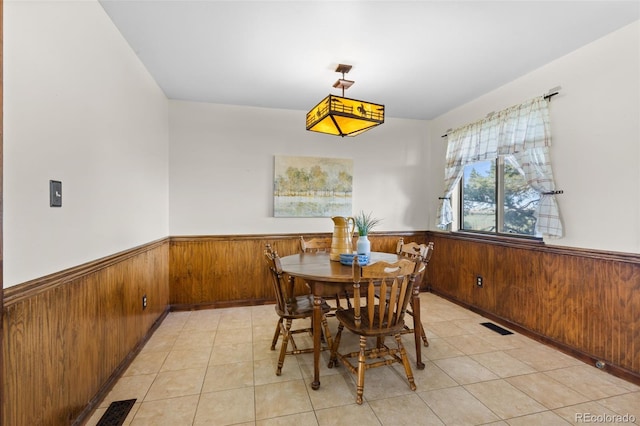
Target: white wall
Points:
x,y
78,107
221,169
595,123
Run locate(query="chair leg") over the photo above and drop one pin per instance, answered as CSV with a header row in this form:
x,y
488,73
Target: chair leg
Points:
x,y
276,335
286,333
326,333
346,296
405,362
422,333
333,359
361,368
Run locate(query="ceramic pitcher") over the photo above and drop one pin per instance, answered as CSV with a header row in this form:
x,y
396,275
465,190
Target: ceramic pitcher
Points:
x,y
342,239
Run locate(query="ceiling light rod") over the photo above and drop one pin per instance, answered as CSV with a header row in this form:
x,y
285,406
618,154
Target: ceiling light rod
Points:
x,y
342,83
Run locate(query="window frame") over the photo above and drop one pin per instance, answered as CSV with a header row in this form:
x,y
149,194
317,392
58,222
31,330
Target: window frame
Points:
x,y
499,202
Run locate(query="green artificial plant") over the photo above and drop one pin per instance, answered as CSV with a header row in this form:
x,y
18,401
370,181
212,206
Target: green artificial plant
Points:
x,y
365,222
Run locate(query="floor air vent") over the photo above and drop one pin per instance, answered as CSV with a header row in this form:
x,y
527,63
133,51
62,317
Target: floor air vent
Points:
x,y
116,413
496,328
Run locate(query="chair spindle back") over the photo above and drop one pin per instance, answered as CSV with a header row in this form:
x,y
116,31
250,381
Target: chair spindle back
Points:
x,y
393,282
278,280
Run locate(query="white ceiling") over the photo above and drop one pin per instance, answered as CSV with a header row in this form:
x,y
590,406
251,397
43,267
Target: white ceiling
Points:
x,y
418,58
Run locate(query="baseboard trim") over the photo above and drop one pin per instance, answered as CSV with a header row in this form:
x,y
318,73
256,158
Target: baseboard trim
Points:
x,y
614,370
178,307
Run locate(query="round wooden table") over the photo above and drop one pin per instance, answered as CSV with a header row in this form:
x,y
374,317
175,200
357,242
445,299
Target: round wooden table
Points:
x,y
329,277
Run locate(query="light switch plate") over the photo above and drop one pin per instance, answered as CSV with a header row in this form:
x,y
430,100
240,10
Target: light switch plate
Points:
x,y
55,193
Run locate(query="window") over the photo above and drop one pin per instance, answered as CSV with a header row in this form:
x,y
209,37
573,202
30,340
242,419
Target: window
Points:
x,y
495,198
498,198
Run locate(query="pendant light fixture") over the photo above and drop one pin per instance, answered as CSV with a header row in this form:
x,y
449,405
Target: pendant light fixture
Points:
x,y
340,116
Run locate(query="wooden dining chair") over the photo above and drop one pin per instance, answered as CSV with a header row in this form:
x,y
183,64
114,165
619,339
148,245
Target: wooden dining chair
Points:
x,y
315,245
290,308
378,317
413,251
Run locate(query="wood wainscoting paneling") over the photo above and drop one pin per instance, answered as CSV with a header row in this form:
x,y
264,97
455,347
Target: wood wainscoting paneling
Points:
x,y
585,302
69,335
221,271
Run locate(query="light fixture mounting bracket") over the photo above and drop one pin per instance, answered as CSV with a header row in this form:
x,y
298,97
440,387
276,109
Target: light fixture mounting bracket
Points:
x,y
342,83
344,69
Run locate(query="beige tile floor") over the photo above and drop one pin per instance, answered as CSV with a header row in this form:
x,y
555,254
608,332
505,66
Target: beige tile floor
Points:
x,y
215,367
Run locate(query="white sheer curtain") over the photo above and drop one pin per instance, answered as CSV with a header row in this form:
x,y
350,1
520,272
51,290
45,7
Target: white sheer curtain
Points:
x,y
521,130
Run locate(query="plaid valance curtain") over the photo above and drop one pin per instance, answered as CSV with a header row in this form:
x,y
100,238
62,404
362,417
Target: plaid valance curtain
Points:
x,y
522,132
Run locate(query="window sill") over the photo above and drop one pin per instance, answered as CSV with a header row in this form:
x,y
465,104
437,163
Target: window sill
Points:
x,y
499,238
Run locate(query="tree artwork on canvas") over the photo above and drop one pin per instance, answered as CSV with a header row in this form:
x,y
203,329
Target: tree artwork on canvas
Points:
x,y
312,186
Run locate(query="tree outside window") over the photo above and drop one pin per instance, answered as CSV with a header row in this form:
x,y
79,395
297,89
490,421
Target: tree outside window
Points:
x,y
496,198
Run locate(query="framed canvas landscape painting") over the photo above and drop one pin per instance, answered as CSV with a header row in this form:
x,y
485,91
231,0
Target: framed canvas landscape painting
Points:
x,y
312,186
